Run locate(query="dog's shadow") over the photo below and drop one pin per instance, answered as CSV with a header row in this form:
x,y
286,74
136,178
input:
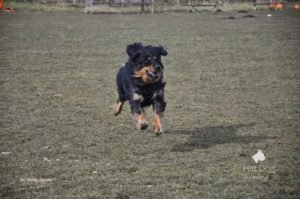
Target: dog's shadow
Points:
x,y
203,138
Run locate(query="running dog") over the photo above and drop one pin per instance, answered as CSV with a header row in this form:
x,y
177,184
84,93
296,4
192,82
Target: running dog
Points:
x,y
140,81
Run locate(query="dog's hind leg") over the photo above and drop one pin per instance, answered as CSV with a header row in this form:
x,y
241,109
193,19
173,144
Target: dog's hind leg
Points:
x,y
118,107
121,99
159,106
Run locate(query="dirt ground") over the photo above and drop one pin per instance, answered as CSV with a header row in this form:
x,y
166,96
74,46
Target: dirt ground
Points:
x,y
232,89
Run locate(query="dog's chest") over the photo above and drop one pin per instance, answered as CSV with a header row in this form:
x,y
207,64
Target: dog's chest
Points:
x,y
147,94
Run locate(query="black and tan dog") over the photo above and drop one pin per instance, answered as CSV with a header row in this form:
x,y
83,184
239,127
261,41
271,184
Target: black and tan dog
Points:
x,y
140,81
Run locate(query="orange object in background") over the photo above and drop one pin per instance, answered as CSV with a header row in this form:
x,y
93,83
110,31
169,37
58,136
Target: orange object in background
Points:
x,y
2,7
1,4
297,6
276,6
279,6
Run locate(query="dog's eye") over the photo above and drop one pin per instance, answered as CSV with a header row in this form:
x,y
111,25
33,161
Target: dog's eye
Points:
x,y
149,58
155,57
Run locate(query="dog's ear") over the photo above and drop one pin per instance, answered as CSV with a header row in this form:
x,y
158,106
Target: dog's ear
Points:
x,y
133,48
162,51
137,56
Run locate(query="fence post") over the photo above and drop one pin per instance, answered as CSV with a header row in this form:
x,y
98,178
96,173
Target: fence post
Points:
x,y
142,6
152,6
89,6
161,5
121,7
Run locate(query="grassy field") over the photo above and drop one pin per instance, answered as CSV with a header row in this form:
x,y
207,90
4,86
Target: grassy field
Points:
x,y
232,89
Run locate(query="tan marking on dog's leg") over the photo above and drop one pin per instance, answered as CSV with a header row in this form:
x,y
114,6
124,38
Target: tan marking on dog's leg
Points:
x,y
157,127
118,108
141,121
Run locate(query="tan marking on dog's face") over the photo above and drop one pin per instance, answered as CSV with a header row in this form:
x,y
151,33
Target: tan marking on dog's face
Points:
x,y
144,74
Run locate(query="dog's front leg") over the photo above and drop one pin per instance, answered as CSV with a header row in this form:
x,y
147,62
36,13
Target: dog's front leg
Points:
x,y
137,111
157,127
159,106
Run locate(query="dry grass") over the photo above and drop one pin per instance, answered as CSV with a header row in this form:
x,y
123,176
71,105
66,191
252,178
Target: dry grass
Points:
x,y
232,88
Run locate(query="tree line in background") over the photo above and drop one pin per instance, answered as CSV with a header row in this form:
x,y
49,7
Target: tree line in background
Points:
x,y
159,4
179,2
174,2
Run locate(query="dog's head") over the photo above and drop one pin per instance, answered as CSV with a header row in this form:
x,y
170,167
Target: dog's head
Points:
x,y
146,62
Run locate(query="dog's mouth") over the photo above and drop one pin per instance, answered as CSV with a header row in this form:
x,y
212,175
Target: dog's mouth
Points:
x,y
148,74
153,74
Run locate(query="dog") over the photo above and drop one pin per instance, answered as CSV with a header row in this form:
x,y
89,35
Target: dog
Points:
x,y
140,81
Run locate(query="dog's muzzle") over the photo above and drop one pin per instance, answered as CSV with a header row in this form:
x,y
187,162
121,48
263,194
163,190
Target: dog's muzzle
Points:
x,y
156,73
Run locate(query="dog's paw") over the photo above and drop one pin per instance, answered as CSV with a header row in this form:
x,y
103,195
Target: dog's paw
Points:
x,y
158,130
157,127
142,125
